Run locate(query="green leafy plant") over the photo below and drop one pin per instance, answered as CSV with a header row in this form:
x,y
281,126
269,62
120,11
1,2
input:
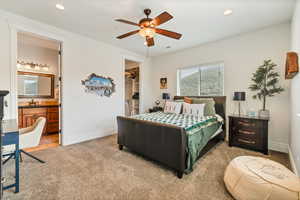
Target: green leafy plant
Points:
x,y
266,81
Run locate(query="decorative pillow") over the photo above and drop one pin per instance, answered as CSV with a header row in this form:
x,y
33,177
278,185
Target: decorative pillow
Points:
x,y
187,108
193,109
188,100
198,110
173,107
209,109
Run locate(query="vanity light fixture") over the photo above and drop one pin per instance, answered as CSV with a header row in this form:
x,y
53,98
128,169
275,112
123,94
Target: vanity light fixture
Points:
x,y
32,66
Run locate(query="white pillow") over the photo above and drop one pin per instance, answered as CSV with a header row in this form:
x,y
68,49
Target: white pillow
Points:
x,y
173,107
193,109
187,109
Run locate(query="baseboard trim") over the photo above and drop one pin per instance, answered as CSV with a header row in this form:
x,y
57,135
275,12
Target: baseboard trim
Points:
x,y
88,137
292,161
278,146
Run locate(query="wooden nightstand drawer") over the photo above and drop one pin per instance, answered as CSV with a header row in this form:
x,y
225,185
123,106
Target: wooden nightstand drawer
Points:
x,y
245,141
246,132
248,141
250,133
248,124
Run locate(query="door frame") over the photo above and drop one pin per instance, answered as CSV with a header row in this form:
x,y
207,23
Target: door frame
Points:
x,y
14,30
140,61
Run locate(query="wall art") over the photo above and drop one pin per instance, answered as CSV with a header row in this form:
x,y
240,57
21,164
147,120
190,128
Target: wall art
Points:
x,y
99,85
163,83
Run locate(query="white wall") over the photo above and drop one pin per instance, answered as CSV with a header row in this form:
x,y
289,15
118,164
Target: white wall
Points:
x,y
242,55
85,116
40,55
295,93
5,63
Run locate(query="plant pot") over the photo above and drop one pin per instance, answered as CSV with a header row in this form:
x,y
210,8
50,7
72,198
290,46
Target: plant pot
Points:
x,y
264,113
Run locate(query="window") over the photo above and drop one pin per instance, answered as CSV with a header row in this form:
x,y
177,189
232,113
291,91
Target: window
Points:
x,y
201,80
31,86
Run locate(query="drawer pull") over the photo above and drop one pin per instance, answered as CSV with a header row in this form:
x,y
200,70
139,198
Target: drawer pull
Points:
x,y
246,141
246,124
247,132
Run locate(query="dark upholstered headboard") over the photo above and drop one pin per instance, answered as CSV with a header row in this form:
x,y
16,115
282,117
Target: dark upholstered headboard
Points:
x,y
220,104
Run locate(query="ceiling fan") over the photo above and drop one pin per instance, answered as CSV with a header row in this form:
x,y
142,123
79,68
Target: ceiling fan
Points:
x,y
148,27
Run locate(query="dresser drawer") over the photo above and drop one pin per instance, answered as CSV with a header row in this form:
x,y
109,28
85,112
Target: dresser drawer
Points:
x,y
248,140
247,133
29,111
53,109
248,124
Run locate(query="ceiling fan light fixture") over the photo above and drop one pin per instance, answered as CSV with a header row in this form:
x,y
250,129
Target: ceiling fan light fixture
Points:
x,y
147,32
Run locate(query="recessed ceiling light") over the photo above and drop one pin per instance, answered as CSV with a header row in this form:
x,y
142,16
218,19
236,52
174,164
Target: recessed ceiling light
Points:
x,y
60,7
228,12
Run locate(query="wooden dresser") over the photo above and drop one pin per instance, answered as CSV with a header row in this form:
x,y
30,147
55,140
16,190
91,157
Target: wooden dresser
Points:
x,y
249,132
29,114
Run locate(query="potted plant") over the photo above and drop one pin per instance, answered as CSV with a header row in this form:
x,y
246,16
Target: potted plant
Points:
x,y
266,81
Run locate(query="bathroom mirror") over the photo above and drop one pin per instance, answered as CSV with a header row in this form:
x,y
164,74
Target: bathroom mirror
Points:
x,y
35,85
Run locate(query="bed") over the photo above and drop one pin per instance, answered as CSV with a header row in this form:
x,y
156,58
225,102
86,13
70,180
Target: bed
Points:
x,y
157,137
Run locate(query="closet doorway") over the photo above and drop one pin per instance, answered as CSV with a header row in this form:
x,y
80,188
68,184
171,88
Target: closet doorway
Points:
x,y
132,88
39,86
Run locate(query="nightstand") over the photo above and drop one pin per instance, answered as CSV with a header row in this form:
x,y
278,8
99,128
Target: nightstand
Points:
x,y
155,109
249,132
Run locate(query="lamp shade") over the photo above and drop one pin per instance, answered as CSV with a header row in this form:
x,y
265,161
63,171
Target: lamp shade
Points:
x,y
165,96
239,96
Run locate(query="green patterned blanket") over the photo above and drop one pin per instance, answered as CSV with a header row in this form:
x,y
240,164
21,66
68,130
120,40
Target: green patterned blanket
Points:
x,y
199,130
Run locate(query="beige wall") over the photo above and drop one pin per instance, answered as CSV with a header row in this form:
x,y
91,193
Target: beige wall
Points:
x,y
295,94
241,55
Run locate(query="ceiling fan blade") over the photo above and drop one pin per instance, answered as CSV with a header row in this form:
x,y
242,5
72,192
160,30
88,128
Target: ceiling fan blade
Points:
x,y
167,33
150,41
128,34
162,18
127,22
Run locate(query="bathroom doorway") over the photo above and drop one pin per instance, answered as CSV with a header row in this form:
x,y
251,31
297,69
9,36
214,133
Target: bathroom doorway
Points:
x,y
132,88
39,86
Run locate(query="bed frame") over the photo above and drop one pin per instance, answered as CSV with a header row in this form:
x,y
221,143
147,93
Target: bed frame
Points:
x,y
164,143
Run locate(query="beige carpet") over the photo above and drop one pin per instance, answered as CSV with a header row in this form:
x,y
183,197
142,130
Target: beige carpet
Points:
x,y
98,170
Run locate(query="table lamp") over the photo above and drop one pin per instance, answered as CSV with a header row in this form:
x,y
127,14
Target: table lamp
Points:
x,y
165,96
239,96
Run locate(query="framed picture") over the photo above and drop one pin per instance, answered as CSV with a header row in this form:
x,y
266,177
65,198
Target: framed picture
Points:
x,y
163,83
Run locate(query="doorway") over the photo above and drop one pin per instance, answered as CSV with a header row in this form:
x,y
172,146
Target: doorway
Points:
x,y
132,88
39,86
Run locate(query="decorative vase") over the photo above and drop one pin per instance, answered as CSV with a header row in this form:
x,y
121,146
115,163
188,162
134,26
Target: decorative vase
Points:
x,y
264,113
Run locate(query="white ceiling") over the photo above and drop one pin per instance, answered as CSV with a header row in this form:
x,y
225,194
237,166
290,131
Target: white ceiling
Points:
x,y
200,21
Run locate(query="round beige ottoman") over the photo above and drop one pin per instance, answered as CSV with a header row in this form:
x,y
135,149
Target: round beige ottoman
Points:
x,y
255,178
